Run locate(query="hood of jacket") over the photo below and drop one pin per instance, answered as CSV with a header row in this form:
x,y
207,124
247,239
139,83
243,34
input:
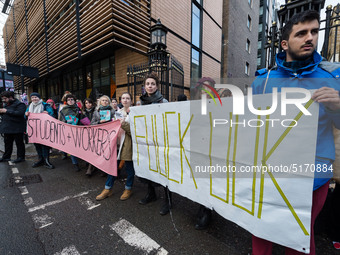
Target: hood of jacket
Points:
x,y
281,57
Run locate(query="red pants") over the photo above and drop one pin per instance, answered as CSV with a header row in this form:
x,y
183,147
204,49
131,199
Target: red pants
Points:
x,y
264,247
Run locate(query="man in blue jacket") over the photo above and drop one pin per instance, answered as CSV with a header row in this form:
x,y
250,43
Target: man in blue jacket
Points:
x,y
301,66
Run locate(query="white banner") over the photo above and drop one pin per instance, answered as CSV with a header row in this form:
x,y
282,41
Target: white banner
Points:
x,y
256,171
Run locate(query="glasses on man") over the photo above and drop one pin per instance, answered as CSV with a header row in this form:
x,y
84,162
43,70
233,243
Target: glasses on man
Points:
x,y
70,99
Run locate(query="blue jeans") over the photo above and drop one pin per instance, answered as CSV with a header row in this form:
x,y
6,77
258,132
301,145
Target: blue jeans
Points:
x,y
129,181
74,160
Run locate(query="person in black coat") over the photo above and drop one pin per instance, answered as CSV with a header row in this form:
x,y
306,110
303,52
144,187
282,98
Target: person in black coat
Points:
x,y
13,126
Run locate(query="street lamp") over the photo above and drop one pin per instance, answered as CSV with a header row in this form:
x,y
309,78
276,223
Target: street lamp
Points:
x,y
159,56
158,36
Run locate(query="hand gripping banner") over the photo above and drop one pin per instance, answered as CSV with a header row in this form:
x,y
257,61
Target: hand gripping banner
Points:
x,y
95,144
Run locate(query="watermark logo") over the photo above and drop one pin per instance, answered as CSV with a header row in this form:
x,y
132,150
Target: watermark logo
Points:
x,y
204,98
239,100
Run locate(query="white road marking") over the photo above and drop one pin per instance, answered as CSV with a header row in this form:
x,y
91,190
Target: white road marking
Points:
x,y
15,170
11,163
88,203
71,250
17,179
43,206
46,225
29,201
134,237
42,221
23,190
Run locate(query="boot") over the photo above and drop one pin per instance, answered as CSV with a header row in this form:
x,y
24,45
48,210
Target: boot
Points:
x,y
90,170
105,193
48,164
204,219
165,209
40,162
126,194
150,196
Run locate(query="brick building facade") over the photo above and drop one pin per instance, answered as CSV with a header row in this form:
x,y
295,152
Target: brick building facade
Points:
x,y
86,46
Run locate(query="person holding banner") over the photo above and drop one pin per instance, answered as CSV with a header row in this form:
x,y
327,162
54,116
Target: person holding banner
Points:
x,y
297,63
103,113
87,115
153,96
38,106
70,114
125,153
60,107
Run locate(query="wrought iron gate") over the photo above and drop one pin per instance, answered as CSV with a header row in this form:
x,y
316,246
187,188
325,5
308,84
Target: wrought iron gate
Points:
x,y
330,26
171,77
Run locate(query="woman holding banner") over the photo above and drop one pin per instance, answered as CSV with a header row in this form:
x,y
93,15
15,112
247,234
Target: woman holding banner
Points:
x,y
60,107
153,96
104,112
70,114
38,106
125,152
86,118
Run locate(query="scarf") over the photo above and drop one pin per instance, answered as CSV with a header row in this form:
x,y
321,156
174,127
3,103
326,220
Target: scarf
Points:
x,y
103,108
36,107
152,99
89,113
70,110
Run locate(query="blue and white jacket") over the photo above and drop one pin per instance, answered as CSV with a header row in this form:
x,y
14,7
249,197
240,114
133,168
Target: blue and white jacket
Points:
x,y
317,74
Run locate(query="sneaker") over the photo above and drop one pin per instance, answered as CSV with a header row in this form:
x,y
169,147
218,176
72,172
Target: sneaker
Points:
x,y
126,194
105,193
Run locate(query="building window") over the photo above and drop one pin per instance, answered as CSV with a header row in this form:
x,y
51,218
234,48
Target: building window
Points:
x,y
249,22
259,61
195,65
246,69
96,74
196,39
248,46
196,26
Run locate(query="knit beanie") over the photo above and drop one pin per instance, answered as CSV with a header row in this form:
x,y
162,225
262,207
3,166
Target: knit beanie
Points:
x,y
36,94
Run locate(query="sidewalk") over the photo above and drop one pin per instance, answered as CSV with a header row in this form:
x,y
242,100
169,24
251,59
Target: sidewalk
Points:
x,y
30,149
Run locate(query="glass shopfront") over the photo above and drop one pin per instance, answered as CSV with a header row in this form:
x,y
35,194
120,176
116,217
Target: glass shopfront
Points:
x,y
94,79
